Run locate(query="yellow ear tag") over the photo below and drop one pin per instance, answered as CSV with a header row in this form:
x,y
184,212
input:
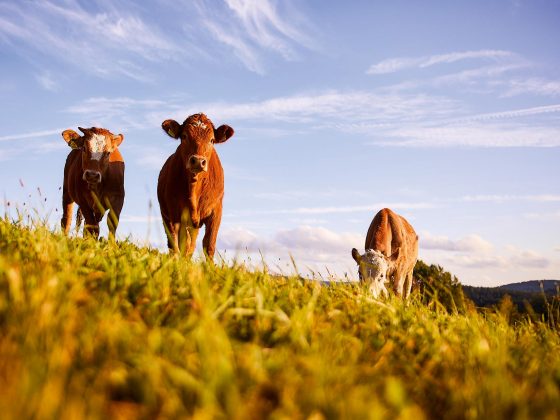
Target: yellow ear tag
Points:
x,y
72,144
170,132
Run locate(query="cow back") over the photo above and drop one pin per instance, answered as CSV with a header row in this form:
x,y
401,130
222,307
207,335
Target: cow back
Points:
x,y
388,232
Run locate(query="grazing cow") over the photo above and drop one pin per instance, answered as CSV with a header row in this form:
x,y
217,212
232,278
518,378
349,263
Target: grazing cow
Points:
x,y
391,253
93,178
191,184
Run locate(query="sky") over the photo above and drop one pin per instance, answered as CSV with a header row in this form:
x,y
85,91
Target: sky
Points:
x,y
446,112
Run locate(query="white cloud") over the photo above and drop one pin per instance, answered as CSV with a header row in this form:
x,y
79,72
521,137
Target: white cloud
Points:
x,y
500,198
402,120
333,106
392,65
150,157
313,248
252,28
8,154
121,38
553,215
473,135
515,113
466,55
343,209
129,218
113,106
323,250
299,194
529,259
479,130
510,258
264,25
478,75
31,143
470,243
123,112
242,50
533,86
360,208
480,262
318,240
32,134
106,43
240,238
295,112
49,146
47,81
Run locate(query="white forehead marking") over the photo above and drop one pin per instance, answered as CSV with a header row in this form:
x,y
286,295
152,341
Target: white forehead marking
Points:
x,y
199,124
376,263
97,146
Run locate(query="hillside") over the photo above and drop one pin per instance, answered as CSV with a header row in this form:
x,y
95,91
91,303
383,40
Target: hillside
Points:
x,y
103,330
533,286
526,296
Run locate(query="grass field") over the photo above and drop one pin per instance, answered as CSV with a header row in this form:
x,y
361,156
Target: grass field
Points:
x,y
102,330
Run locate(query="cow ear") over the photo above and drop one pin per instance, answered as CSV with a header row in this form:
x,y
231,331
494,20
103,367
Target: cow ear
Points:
x,y
356,255
222,133
73,139
172,128
395,254
117,140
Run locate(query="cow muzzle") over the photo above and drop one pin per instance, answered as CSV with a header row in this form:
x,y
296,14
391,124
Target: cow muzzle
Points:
x,y
197,164
92,177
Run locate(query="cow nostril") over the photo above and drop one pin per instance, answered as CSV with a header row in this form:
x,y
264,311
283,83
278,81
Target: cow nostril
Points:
x,y
203,162
192,160
92,176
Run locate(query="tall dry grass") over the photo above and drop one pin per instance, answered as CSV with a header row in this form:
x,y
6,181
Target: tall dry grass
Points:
x,y
94,329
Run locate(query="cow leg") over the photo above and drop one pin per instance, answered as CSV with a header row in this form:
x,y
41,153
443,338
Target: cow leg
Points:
x,y
383,291
170,233
67,205
114,203
187,240
408,287
212,225
91,226
399,284
192,234
184,237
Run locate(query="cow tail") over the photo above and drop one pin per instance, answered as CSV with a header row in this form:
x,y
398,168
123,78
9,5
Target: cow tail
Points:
x,y
79,219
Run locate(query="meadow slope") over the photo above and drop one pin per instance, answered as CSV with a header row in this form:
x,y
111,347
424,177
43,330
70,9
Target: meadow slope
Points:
x,y
96,329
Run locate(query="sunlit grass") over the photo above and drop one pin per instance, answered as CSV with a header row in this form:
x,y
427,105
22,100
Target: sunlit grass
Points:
x,y
97,329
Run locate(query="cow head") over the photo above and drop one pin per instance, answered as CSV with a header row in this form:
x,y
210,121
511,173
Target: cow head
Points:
x,y
95,145
198,137
373,267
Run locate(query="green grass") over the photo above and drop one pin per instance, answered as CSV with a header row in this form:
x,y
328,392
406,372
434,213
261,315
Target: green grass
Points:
x,y
96,329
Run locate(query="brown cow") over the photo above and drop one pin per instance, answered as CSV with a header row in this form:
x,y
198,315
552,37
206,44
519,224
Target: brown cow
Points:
x,y
191,184
391,253
93,178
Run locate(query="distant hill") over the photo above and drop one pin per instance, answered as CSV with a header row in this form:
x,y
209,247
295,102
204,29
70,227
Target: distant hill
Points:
x,y
520,293
533,286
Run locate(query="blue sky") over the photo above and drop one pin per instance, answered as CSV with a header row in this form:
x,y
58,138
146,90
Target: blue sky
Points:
x,y
446,112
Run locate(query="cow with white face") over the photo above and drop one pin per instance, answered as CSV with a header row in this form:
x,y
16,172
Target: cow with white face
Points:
x,y
391,253
372,269
93,178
